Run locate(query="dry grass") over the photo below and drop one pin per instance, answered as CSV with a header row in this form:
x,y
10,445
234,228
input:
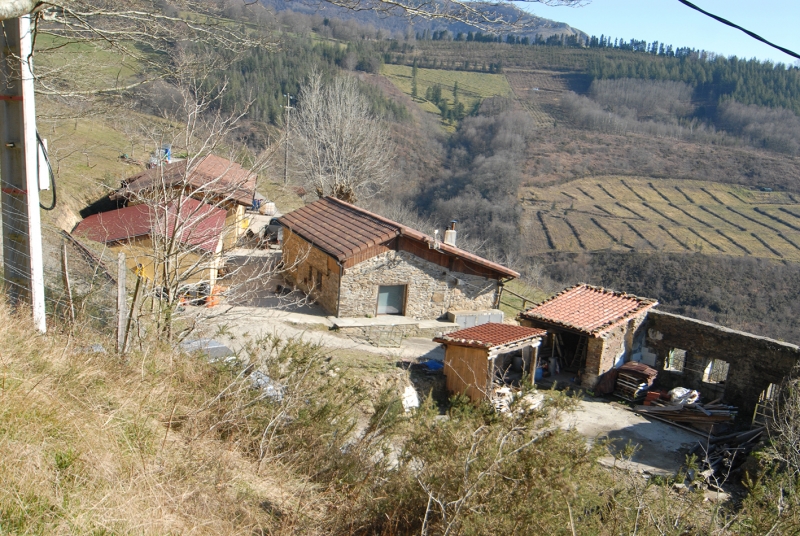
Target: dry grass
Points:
x,y
93,444
629,213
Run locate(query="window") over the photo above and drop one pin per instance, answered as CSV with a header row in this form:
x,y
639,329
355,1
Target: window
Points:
x,y
676,360
716,371
391,299
318,282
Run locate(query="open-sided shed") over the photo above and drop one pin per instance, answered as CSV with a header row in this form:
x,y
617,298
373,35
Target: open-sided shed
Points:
x,y
598,329
475,356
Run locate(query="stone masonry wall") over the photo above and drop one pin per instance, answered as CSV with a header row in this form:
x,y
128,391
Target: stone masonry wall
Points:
x,y
432,290
311,270
755,362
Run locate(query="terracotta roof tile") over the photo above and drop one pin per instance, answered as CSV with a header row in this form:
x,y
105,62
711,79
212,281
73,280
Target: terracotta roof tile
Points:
x,y
201,224
587,309
211,174
344,230
490,335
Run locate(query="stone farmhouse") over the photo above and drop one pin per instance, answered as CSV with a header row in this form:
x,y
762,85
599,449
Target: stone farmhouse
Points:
x,y
357,264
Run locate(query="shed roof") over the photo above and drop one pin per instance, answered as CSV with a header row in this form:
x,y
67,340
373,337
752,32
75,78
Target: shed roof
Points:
x,y
200,224
490,335
588,309
211,174
343,230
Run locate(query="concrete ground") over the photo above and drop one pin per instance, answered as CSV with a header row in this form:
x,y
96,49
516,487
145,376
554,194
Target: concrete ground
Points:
x,y
661,447
306,321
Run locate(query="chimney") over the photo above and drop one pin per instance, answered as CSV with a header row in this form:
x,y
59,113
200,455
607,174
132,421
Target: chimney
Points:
x,y
450,234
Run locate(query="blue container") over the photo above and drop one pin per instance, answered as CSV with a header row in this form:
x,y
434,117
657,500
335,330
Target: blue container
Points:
x,y
538,375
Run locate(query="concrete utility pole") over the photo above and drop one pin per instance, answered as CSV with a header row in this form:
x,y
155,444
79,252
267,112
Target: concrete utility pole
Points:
x,y
23,270
286,154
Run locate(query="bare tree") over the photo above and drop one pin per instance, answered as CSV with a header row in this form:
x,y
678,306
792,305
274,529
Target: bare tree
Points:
x,y
481,15
190,214
344,150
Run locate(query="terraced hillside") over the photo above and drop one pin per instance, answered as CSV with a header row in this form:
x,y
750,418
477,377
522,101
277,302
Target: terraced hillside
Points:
x,y
624,214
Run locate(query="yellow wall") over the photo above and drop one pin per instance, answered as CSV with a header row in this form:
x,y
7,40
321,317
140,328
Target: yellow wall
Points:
x,y
139,251
305,265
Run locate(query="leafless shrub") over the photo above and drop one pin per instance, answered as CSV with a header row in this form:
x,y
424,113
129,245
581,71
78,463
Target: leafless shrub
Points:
x,y
776,129
588,114
663,101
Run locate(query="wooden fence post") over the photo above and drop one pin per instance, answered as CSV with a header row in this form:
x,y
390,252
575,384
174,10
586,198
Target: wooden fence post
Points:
x,y
67,286
130,314
121,301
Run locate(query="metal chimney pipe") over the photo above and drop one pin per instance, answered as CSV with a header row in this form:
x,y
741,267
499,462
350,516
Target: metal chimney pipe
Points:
x,y
450,234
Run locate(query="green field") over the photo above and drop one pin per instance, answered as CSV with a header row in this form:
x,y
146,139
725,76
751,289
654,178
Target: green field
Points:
x,y
624,214
472,87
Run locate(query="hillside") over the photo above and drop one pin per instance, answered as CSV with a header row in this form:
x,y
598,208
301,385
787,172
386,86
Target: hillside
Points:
x,y
306,431
540,151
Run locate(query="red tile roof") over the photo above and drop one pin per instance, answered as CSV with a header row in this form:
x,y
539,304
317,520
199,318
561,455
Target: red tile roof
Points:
x,y
590,310
210,175
343,230
490,335
200,224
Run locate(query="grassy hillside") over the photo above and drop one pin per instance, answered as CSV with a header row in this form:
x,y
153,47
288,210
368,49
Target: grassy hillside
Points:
x,y
472,87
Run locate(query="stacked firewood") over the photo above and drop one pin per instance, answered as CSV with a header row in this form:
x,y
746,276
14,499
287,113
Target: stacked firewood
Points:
x,y
722,455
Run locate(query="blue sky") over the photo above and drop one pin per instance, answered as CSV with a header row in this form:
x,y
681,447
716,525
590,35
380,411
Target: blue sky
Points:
x,y
671,22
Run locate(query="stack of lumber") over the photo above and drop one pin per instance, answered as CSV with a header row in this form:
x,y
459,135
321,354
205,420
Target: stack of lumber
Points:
x,y
633,380
722,455
630,386
691,414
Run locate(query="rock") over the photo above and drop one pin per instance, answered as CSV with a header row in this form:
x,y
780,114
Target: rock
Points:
x,y
716,496
410,398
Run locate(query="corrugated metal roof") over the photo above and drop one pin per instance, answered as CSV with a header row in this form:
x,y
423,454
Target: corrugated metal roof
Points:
x,y
491,335
200,224
211,175
343,230
588,309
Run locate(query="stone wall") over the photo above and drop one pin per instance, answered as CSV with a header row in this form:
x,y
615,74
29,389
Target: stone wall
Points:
x,y
620,344
754,362
432,290
311,270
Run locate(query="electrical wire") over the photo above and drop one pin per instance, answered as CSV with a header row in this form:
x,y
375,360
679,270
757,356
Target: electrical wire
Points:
x,y
50,171
732,25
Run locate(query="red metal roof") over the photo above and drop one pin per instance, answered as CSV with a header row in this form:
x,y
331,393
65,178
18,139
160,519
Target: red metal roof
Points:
x,y
343,230
200,224
590,310
210,175
490,335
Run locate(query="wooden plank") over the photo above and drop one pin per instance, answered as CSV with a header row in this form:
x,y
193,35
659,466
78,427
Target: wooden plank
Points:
x,y
467,371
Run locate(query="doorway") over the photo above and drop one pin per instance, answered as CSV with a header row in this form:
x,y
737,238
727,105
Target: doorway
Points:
x,y
391,299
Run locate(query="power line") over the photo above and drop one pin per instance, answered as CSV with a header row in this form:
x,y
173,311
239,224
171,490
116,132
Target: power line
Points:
x,y
732,25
